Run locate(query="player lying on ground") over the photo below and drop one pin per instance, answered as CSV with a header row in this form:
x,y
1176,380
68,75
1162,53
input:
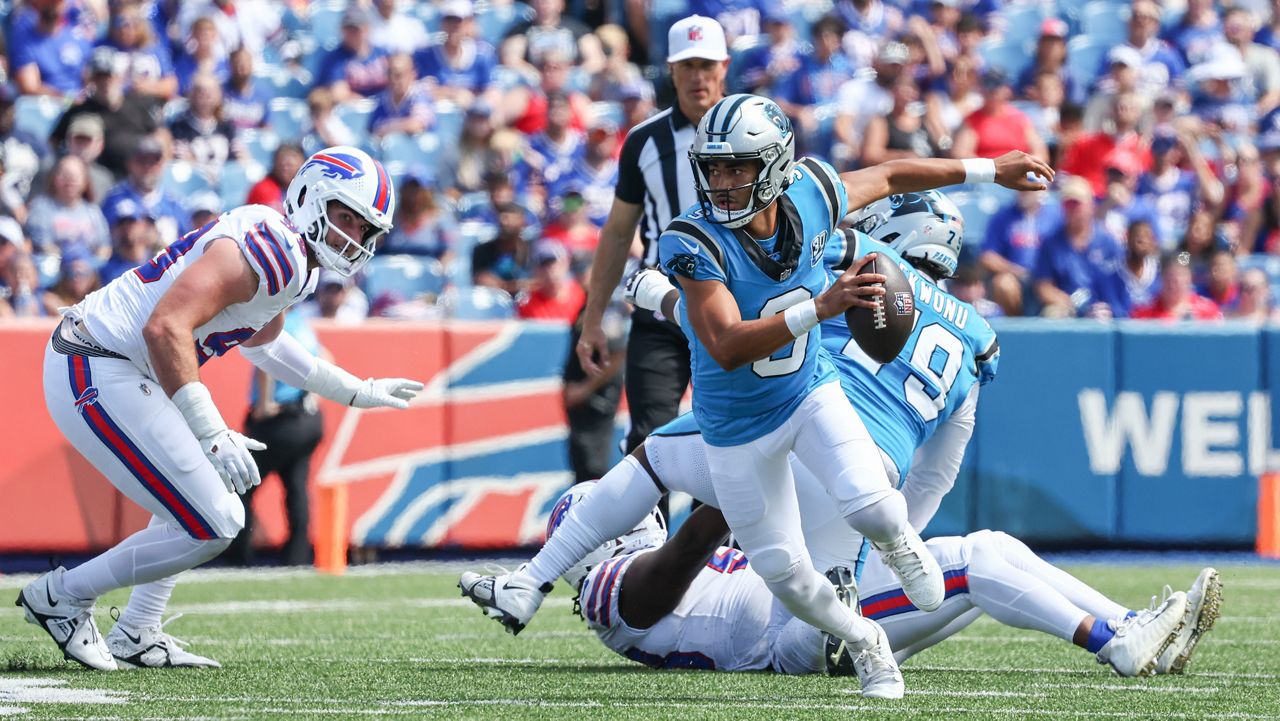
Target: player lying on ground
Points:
x,y
693,603
122,383
919,420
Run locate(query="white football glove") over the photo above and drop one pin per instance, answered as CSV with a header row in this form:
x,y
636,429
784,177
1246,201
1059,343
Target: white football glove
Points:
x,y
385,393
646,288
228,451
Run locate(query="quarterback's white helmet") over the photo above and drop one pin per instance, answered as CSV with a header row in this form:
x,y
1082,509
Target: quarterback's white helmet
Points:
x,y
350,176
926,228
650,532
743,127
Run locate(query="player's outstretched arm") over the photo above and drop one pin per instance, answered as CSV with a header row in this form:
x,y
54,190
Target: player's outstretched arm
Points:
x,y
1012,170
279,355
219,278
656,581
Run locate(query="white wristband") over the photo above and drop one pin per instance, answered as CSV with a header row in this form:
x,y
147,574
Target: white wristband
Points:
x,y
801,317
979,170
197,408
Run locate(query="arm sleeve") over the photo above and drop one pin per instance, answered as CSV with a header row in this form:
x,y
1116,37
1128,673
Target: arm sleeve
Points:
x,y
630,180
936,463
284,359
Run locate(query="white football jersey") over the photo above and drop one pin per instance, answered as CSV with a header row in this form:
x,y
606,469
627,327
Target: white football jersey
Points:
x,y
726,620
116,313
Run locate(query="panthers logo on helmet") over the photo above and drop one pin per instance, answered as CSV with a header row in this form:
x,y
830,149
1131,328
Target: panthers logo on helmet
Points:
x,y
775,116
338,166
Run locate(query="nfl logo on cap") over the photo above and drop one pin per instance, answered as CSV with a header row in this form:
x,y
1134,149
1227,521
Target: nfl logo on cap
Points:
x,y
696,37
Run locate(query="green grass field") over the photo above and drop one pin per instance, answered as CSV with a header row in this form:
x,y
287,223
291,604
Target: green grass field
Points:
x,y
400,642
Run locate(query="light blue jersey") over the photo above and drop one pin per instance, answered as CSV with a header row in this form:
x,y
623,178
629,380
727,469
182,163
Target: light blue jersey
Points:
x,y
766,278
950,349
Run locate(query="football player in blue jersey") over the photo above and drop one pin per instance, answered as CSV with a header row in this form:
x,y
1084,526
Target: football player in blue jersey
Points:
x,y
752,250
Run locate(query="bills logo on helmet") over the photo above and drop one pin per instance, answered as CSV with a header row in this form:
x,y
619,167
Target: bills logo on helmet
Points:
x,y
338,166
903,304
558,513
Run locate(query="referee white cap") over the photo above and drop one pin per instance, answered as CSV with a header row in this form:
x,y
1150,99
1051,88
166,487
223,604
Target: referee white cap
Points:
x,y
696,37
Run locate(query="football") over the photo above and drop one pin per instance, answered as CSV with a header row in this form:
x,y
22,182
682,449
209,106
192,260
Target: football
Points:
x,y
882,332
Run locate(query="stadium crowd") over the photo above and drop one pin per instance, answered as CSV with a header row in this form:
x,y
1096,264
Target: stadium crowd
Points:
x,y
124,124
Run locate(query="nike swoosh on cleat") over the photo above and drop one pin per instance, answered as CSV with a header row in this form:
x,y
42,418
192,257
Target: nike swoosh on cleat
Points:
x,y
135,639
49,595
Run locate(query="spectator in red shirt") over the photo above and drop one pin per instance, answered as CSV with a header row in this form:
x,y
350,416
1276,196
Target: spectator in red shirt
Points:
x,y
1085,156
1223,285
284,165
554,295
997,127
1177,299
571,227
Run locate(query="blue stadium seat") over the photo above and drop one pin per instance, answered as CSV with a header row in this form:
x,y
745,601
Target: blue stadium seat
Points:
x,y
494,21
1008,55
1106,22
236,180
1084,57
405,276
401,153
285,84
471,234
288,118
260,144
448,122
355,115
182,180
48,268
37,114
662,15
477,303
326,21
977,209
1022,22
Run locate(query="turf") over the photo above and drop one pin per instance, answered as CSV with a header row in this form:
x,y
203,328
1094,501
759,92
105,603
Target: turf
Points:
x,y
399,642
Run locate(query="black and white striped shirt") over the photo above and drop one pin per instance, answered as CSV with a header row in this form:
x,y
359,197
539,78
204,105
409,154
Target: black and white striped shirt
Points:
x,y
654,172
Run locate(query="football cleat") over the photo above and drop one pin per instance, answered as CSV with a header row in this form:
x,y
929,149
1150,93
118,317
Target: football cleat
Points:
x,y
1204,603
511,598
69,621
1141,638
917,570
151,647
874,667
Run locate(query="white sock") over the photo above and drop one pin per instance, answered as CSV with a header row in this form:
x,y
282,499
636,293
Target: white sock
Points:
x,y
619,501
147,603
809,596
1015,597
154,553
1078,592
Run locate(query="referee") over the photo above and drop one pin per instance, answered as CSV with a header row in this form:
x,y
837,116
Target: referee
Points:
x,y
655,184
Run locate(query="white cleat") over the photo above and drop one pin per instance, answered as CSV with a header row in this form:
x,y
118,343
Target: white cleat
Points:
x,y
916,569
1204,603
151,647
69,621
875,667
1140,639
511,598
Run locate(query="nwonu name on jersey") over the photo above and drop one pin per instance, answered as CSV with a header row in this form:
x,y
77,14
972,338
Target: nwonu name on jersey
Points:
x,y
950,349
766,277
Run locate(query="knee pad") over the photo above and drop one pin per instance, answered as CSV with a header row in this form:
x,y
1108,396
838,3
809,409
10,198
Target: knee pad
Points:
x,y
883,521
775,565
228,517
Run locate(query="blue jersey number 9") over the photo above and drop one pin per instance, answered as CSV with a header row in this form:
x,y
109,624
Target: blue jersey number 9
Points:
x,y
935,362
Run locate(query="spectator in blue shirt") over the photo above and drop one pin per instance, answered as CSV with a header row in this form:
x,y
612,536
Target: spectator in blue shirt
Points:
x,y
1051,56
768,68
46,54
1219,94
244,99
134,239
1174,191
817,82
461,67
1141,269
1162,66
203,52
1197,32
1012,244
595,173
424,225
871,18
354,69
404,107
149,66
1077,272
1121,205
141,189
558,146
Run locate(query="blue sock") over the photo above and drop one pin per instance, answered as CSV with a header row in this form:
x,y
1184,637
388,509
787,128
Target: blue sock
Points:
x,y
1099,635
1131,614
